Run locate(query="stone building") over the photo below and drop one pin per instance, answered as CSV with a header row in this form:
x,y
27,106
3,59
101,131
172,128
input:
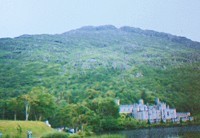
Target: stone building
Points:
x,y
156,113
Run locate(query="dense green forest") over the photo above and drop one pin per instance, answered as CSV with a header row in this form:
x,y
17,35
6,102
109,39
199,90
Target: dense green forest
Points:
x,y
73,78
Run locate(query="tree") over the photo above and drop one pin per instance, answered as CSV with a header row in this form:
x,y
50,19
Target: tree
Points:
x,y
27,105
107,112
26,99
77,116
39,104
42,103
15,106
3,107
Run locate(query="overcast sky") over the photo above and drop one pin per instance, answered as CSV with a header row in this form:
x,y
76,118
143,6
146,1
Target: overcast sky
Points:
x,y
178,17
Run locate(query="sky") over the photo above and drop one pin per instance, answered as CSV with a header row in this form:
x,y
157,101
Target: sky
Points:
x,y
178,17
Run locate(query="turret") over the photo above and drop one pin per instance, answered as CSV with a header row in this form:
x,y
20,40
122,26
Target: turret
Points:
x,y
157,101
141,101
167,106
117,101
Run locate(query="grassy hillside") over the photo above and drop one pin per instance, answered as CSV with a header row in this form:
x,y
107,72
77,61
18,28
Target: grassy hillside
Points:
x,y
20,128
125,63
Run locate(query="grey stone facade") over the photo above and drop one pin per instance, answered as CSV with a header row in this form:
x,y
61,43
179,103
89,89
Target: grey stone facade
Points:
x,y
156,113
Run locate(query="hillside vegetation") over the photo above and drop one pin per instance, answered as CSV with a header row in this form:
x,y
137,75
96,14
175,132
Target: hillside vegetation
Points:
x,y
91,63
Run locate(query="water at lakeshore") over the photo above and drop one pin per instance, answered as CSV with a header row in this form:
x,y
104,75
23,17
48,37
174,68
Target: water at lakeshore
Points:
x,y
170,132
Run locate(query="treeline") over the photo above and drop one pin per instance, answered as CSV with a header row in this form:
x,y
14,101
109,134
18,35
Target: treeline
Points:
x,y
35,105
96,113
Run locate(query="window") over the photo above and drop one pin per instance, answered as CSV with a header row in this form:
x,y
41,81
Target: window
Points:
x,y
167,113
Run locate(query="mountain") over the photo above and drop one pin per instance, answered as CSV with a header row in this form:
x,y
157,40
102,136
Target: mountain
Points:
x,y
127,63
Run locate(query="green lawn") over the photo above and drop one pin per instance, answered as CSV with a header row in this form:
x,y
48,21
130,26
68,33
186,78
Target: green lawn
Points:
x,y
12,128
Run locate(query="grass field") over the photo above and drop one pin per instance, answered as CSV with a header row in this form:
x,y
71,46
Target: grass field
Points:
x,y
20,128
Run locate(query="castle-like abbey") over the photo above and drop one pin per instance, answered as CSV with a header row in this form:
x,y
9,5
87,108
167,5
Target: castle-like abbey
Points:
x,y
154,113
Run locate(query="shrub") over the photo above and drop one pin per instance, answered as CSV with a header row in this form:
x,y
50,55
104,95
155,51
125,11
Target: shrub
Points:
x,y
56,135
7,136
109,136
75,136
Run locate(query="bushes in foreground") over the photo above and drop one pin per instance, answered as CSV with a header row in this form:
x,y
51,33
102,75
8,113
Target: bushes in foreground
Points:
x,y
55,135
109,136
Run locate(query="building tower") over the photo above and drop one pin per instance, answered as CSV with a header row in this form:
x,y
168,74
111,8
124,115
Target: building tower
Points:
x,y
157,101
141,101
